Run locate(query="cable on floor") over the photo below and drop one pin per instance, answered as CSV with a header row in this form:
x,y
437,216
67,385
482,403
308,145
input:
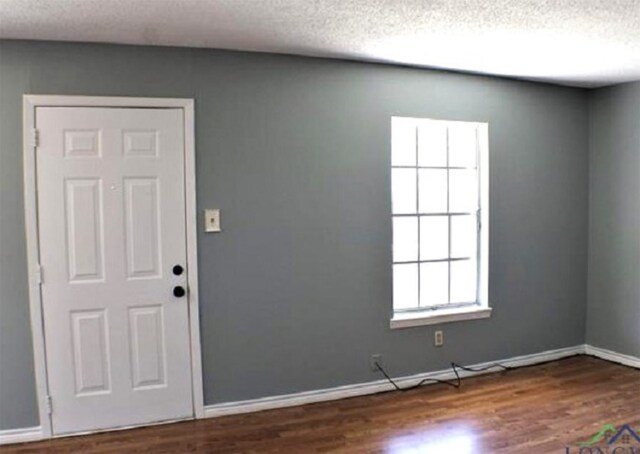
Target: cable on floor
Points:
x,y
481,369
454,384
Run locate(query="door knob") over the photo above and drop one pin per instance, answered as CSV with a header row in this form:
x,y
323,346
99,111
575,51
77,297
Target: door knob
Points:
x,y
178,291
178,270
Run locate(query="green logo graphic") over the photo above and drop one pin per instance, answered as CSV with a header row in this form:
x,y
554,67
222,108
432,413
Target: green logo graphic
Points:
x,y
610,435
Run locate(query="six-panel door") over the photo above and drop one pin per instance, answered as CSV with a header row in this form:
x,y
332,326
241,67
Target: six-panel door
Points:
x,y
111,221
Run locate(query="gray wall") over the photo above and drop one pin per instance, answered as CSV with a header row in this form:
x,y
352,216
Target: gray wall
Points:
x,y
614,219
296,292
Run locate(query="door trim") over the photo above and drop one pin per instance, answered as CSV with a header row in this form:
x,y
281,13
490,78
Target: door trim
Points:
x,y
30,103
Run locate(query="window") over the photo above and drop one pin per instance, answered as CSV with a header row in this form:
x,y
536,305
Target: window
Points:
x,y
439,196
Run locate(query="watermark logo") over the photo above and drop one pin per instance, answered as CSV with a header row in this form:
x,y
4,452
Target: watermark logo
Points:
x,y
610,440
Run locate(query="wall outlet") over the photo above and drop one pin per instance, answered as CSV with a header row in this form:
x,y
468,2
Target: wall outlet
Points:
x,y
438,339
375,358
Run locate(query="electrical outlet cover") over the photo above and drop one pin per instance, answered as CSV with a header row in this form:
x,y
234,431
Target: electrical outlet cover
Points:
x,y
375,358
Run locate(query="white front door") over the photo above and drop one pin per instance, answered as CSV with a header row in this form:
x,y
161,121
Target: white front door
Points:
x,y
111,222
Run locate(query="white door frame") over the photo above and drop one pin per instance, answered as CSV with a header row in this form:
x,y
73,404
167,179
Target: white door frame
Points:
x,y
30,141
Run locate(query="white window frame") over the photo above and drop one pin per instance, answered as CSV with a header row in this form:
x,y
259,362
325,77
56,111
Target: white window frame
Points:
x,y
481,308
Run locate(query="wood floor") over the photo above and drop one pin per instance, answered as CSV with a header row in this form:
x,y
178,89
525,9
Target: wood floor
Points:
x,y
538,409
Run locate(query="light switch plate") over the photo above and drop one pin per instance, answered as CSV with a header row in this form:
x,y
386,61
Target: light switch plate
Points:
x,y
212,220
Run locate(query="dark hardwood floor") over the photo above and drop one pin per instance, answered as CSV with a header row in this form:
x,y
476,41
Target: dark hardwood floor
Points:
x,y
538,409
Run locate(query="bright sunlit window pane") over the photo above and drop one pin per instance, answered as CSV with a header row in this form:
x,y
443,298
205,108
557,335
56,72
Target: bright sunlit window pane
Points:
x,y
463,191
463,281
405,239
403,142
435,195
403,191
434,237
462,145
434,283
464,236
432,145
405,286
433,191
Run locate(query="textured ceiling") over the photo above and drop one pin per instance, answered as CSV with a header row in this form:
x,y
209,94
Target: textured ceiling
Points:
x,y
574,42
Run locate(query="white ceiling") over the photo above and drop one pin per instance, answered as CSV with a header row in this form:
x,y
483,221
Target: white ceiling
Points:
x,y
573,42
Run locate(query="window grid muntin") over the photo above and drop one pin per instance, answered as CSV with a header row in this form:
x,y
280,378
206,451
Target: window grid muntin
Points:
x,y
418,215
435,167
418,209
413,262
478,216
448,224
435,307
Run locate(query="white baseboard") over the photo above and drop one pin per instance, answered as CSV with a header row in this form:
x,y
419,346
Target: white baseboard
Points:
x,y
361,389
21,435
609,355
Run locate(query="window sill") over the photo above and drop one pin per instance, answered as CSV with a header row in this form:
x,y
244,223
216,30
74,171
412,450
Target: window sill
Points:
x,y
410,319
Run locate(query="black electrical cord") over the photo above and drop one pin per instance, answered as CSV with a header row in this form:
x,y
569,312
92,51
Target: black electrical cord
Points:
x,y
454,367
481,369
455,384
